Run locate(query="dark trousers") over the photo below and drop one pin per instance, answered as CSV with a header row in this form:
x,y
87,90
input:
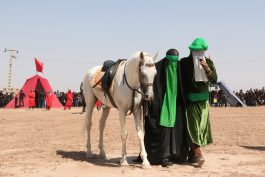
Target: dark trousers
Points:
x,y
21,102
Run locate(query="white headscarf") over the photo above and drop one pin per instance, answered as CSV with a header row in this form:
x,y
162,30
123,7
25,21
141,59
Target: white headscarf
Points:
x,y
199,72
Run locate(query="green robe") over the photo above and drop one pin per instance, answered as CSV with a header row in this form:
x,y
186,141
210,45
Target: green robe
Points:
x,y
198,122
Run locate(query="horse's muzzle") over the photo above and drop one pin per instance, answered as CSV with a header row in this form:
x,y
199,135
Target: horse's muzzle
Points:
x,y
148,97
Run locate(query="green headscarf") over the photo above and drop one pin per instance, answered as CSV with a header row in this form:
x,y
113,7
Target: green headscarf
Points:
x,y
168,112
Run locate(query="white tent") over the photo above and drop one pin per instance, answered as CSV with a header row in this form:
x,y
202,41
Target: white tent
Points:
x,y
232,99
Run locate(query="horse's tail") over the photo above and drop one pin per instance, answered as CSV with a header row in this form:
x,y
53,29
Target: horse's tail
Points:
x,y
89,97
84,87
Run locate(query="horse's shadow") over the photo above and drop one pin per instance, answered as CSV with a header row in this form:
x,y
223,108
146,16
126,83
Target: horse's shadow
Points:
x,y
257,148
96,160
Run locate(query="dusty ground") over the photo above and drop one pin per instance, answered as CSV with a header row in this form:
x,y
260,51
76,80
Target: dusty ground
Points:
x,y
50,144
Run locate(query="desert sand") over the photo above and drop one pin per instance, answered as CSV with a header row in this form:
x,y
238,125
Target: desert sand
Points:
x,y
40,143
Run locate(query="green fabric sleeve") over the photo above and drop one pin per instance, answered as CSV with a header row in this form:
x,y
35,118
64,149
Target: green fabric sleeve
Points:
x,y
213,77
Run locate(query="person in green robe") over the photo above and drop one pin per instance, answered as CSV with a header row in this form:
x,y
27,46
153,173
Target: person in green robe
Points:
x,y
197,74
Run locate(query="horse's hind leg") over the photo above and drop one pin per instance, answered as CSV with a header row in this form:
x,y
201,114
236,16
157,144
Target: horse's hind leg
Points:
x,y
102,123
90,102
138,125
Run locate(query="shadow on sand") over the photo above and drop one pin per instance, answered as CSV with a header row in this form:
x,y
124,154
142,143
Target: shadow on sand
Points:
x,y
257,148
96,160
78,113
110,162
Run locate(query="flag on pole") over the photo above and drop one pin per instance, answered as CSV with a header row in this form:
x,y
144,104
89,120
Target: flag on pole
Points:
x,y
39,65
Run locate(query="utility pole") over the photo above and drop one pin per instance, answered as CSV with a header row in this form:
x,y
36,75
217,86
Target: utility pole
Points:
x,y
11,56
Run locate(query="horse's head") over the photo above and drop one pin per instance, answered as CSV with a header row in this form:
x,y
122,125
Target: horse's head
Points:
x,y
147,72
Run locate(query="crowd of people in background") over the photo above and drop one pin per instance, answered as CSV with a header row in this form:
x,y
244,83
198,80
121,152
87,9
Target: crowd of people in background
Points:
x,y
218,99
76,98
5,98
251,97
42,100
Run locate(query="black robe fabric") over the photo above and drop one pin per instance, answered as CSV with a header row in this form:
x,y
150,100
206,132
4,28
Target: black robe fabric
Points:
x,y
163,143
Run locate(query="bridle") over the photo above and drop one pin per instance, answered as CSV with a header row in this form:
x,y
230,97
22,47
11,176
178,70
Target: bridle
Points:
x,y
143,85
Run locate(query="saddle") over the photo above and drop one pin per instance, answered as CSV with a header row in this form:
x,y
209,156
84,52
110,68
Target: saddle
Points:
x,y
104,77
110,69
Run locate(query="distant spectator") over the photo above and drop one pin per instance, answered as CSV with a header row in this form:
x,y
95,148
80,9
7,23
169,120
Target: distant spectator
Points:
x,y
16,100
222,99
98,104
21,98
83,102
69,100
75,99
62,98
41,99
32,102
48,100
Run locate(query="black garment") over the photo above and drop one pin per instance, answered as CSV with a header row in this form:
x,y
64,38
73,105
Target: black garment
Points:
x,y
40,99
163,143
21,98
82,98
16,100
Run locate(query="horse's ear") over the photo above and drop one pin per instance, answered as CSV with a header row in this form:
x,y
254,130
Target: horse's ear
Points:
x,y
142,55
155,55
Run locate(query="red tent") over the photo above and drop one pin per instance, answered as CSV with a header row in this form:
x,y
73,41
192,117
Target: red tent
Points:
x,y
38,84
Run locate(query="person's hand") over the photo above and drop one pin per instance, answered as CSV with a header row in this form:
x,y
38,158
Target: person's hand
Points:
x,y
205,65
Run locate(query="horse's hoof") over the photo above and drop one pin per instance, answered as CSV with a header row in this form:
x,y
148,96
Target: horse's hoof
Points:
x,y
146,166
124,162
89,155
102,155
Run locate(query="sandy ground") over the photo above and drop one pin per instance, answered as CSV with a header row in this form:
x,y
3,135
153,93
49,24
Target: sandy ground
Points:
x,y
51,144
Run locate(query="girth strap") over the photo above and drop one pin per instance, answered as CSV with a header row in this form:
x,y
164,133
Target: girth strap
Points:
x,y
111,99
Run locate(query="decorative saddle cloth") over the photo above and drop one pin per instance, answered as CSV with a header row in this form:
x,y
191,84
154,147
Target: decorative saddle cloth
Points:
x,y
96,81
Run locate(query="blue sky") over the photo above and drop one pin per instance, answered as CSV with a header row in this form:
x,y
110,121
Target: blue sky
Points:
x,y
69,37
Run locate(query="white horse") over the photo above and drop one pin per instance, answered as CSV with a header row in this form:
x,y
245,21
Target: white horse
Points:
x,y
134,75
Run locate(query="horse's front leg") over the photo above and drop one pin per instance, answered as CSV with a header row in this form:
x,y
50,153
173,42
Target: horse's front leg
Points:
x,y
102,123
124,135
139,128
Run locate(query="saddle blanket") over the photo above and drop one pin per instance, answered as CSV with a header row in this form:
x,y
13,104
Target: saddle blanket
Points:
x,y
96,80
